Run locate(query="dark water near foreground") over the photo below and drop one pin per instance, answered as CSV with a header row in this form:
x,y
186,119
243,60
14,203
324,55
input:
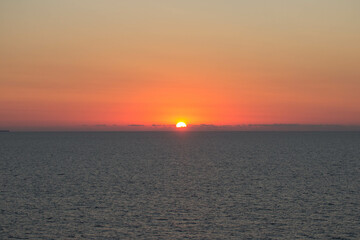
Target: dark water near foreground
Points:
x,y
210,185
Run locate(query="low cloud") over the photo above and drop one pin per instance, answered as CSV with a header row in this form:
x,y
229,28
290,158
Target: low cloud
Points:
x,y
199,127
274,127
300,127
100,125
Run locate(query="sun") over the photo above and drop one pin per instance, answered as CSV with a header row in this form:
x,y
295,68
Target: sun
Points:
x,y
181,125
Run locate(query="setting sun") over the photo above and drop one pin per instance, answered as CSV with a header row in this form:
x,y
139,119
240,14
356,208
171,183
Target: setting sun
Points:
x,y
181,125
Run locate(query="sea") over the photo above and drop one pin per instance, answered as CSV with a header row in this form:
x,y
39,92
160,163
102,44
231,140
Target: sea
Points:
x,y
180,185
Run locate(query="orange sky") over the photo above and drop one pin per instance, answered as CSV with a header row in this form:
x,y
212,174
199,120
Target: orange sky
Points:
x,y
70,63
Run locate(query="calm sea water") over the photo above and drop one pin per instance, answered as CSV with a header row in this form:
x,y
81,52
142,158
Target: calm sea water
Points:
x,y
176,185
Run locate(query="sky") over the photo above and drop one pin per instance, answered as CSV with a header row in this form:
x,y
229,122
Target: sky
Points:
x,y
65,64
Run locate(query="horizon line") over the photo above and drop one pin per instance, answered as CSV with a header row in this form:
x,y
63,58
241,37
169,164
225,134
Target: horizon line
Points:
x,y
276,127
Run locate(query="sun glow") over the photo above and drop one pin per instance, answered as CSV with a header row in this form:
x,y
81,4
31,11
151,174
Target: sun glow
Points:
x,y
181,125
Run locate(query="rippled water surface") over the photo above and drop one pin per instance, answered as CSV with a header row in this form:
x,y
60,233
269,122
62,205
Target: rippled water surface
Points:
x,y
176,185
